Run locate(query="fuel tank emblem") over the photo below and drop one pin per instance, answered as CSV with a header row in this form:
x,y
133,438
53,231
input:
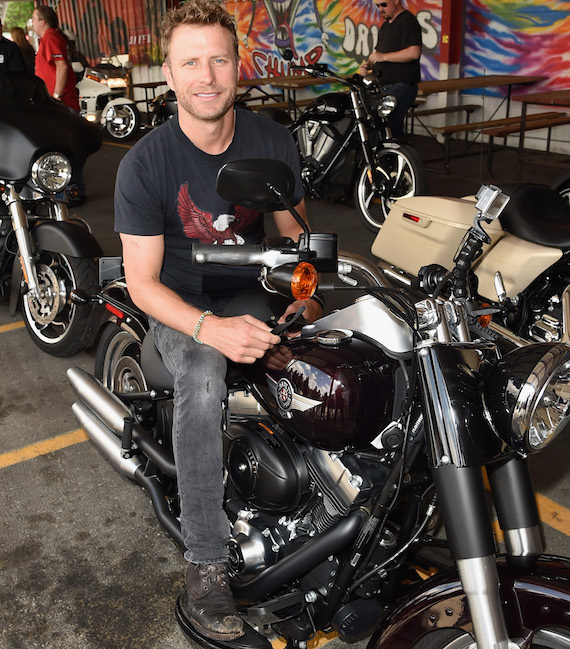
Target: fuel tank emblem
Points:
x,y
286,397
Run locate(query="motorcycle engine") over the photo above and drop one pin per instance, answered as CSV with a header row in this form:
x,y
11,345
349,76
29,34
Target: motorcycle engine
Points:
x,y
280,492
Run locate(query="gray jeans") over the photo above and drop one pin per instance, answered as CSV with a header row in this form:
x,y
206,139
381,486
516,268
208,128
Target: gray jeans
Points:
x,y
199,388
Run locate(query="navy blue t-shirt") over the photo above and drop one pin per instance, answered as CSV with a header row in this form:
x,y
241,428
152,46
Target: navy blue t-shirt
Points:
x,y
167,186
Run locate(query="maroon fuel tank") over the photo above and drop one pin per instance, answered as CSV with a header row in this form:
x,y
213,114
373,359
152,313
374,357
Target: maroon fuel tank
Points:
x,y
333,391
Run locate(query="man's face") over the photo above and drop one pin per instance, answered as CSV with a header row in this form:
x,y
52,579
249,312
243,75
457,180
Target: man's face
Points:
x,y
203,71
38,25
389,11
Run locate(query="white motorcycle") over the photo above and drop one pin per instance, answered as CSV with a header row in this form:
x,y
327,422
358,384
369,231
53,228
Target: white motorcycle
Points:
x,y
102,98
522,273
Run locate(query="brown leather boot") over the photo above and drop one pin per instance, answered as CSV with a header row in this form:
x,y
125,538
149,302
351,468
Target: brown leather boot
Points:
x,y
208,602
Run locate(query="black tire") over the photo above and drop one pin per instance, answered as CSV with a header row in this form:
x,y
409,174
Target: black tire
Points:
x,y
123,121
547,638
562,186
117,362
54,322
404,175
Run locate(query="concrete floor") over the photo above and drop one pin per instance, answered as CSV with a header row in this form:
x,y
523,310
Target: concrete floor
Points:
x,y
83,562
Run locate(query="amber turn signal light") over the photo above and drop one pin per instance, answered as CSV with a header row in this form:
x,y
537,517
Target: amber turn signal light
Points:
x,y
304,281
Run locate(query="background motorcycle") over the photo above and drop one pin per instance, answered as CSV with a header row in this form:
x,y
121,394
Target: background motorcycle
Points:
x,y
347,148
341,446
44,255
103,98
163,107
524,266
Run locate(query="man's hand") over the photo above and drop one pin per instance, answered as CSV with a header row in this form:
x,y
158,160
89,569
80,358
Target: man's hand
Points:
x,y
242,339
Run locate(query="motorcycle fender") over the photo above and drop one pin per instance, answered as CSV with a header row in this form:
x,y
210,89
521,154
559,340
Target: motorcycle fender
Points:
x,y
67,239
109,310
533,597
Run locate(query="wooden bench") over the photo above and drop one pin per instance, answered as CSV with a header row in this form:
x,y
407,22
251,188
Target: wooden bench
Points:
x,y
282,105
534,124
515,122
443,110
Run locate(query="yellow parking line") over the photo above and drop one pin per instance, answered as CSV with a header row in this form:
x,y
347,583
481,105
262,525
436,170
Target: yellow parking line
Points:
x,y
41,448
11,327
553,514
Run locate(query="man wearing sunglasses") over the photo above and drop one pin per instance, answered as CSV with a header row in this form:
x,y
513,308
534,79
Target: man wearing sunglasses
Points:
x,y
396,59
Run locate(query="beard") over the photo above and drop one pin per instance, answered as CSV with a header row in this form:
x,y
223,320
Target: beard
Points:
x,y
206,112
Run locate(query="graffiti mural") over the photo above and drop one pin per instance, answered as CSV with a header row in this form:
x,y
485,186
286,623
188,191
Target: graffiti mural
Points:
x,y
339,33
530,37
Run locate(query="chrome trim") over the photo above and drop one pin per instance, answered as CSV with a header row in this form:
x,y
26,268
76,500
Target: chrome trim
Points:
x,y
565,334
524,541
480,581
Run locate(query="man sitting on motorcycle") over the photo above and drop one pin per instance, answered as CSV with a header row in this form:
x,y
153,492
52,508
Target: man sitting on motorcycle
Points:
x,y
166,200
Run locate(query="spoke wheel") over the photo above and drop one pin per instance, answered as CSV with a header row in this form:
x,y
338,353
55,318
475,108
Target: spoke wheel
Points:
x,y
402,175
55,323
117,364
122,121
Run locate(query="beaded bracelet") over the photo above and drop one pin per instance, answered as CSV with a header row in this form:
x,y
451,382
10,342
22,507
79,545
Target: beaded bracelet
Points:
x,y
198,326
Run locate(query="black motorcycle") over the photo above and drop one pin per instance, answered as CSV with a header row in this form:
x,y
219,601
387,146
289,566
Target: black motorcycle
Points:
x,y
45,256
163,107
347,148
345,445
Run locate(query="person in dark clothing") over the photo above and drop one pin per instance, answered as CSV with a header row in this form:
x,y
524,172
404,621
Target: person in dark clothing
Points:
x,y
19,37
11,59
396,59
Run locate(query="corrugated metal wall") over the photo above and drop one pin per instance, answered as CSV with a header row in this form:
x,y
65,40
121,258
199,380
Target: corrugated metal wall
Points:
x,y
108,27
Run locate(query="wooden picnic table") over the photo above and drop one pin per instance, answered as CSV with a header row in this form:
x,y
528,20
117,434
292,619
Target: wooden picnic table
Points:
x,y
559,98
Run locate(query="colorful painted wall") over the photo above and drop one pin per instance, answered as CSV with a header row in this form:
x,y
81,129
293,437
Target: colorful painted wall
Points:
x,y
336,32
530,37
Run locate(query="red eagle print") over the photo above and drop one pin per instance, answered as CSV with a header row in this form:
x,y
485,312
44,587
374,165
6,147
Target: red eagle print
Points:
x,y
201,225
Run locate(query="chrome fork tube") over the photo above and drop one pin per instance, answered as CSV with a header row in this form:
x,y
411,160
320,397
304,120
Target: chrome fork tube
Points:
x,y
22,232
480,581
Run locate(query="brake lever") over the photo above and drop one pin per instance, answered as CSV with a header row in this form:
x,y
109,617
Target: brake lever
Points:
x,y
290,320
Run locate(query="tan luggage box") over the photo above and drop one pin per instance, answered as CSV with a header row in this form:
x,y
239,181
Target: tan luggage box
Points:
x,y
424,230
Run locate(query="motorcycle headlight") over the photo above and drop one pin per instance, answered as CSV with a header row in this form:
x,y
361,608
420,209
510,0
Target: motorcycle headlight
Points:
x,y
116,82
386,105
51,172
527,395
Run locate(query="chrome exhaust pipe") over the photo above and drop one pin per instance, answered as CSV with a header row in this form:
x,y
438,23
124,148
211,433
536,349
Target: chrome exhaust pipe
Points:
x,y
112,413
106,441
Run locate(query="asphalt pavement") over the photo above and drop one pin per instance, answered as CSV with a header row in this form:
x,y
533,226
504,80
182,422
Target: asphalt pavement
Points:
x,y
83,561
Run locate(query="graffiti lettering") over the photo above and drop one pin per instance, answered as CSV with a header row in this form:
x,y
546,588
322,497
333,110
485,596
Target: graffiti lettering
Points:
x,y
269,65
430,37
360,40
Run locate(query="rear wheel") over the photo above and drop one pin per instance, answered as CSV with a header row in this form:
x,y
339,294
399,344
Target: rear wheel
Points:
x,y
122,121
55,323
547,638
117,363
402,175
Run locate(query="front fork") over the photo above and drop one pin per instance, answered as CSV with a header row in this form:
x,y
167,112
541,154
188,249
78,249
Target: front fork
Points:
x,y
453,425
22,232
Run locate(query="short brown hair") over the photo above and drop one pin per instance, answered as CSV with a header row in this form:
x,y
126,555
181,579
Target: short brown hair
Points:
x,y
48,15
197,12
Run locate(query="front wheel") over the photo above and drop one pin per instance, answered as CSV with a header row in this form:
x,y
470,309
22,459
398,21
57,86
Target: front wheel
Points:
x,y
55,323
402,175
122,121
546,638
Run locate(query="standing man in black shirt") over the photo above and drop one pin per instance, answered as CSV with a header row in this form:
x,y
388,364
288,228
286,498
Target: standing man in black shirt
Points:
x,y
396,59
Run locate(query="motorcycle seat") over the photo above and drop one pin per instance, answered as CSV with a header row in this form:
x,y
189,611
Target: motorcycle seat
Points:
x,y
538,214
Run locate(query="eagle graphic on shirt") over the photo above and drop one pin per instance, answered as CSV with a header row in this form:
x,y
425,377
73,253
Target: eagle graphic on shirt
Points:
x,y
223,229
